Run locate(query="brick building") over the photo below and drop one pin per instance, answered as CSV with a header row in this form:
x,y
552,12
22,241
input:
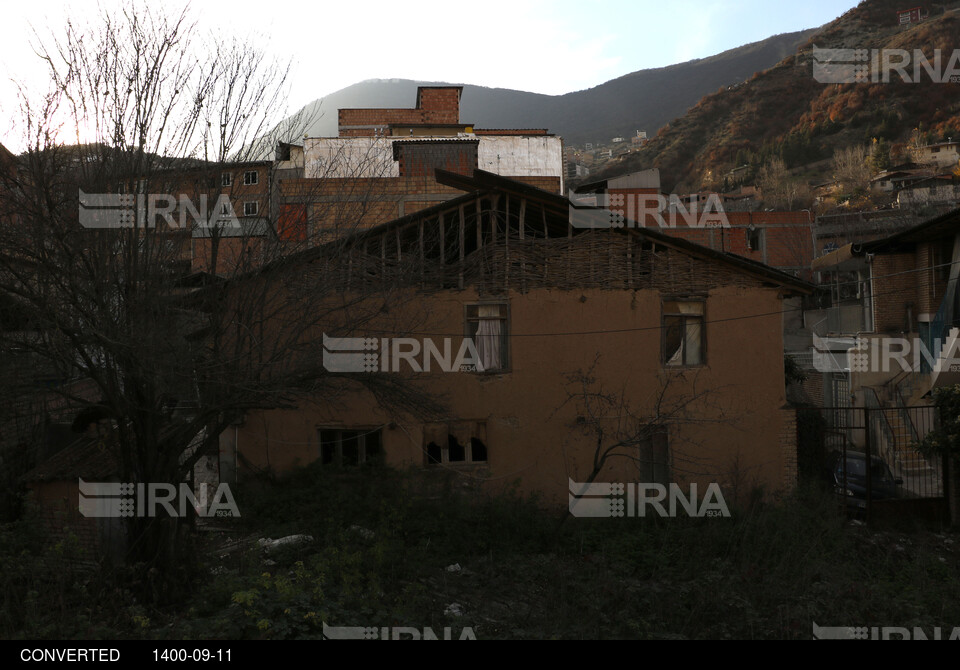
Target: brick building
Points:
x,y
381,164
901,286
783,240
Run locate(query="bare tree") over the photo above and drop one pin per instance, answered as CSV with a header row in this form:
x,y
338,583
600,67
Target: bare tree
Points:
x,y
779,189
636,430
165,332
851,169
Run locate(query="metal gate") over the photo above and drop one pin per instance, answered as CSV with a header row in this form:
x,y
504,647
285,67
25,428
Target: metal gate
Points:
x,y
870,459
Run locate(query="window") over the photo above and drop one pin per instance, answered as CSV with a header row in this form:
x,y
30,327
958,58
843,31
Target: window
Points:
x,y
350,447
682,333
251,177
488,327
459,442
251,208
226,179
754,238
653,457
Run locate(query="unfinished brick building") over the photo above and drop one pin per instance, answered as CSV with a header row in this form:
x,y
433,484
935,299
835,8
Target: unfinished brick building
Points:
x,y
381,165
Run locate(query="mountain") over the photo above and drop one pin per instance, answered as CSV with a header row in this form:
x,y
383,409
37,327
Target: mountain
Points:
x,y
785,112
642,100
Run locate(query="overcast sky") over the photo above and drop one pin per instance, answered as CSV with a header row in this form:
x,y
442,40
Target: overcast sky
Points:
x,y
532,45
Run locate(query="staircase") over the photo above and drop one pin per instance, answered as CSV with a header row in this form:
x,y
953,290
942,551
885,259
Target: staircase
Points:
x,y
898,434
908,460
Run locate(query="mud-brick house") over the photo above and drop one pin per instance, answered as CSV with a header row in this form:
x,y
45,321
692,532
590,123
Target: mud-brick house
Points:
x,y
541,295
54,492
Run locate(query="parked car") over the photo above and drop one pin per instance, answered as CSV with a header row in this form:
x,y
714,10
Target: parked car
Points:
x,y
850,479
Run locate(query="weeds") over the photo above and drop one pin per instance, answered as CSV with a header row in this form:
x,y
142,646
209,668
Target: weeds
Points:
x,y
389,549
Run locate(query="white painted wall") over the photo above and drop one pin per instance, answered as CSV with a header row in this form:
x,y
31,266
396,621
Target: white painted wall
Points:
x,y
507,155
920,196
521,156
338,157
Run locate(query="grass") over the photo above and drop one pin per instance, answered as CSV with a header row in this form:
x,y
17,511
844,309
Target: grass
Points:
x,y
383,542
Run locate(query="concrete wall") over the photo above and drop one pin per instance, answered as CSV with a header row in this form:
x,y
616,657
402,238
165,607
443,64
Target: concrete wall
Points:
x,y
342,157
509,156
517,155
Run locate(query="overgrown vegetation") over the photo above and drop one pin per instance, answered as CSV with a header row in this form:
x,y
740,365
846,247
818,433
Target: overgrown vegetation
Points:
x,y
384,546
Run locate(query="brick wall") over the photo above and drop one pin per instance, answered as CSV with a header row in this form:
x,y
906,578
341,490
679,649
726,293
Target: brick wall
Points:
x,y
346,205
928,295
895,286
421,159
786,238
436,106
788,448
234,254
551,184
442,100
813,387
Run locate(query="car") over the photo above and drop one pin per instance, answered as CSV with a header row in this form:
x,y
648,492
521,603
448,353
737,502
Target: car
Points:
x,y
850,480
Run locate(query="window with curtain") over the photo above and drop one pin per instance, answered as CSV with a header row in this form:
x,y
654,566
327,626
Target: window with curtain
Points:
x,y
487,326
682,332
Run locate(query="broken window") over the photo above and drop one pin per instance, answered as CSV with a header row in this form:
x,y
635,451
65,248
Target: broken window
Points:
x,y
458,442
349,447
487,326
683,333
653,457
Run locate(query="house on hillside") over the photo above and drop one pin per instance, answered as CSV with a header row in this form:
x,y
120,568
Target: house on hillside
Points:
x,y
688,337
940,154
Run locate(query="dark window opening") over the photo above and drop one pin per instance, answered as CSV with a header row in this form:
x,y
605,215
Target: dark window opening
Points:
x,y
456,452
479,449
458,442
350,447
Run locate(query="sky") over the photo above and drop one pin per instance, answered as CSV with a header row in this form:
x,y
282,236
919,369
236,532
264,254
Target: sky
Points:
x,y
550,47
